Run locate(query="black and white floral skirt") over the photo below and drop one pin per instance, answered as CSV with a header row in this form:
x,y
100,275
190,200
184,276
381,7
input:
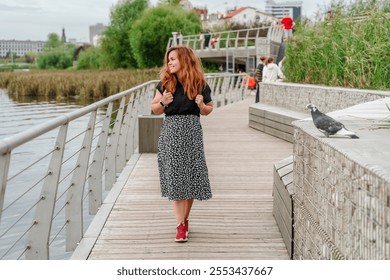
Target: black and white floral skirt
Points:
x,y
181,159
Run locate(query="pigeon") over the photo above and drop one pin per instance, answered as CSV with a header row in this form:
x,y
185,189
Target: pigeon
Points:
x,y
328,125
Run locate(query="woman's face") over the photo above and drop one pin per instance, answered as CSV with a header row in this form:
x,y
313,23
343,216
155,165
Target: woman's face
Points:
x,y
173,62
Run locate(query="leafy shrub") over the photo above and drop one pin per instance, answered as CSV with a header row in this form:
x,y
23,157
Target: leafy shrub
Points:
x,y
55,59
90,59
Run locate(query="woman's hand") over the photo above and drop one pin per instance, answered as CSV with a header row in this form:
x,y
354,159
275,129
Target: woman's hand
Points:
x,y
199,101
167,98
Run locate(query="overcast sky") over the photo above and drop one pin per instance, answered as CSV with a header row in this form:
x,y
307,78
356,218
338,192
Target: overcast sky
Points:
x,y
35,19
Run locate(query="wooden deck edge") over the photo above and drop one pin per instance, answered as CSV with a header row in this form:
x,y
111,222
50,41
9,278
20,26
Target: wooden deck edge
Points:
x,y
88,241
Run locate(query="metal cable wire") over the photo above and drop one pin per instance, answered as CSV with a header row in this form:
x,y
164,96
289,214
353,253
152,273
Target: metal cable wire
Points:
x,y
61,229
23,194
22,253
72,155
17,241
20,218
67,175
59,211
77,135
27,167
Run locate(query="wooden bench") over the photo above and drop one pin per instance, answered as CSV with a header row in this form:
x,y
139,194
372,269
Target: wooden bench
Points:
x,y
274,120
283,190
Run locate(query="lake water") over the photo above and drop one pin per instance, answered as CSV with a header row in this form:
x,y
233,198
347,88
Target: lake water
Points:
x,y
17,116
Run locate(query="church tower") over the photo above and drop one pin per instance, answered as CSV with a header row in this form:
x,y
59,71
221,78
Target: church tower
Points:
x,y
63,37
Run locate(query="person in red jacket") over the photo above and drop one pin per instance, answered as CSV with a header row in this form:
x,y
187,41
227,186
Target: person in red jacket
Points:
x,y
288,24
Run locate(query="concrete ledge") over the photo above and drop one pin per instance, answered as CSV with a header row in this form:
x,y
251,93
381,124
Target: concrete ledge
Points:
x,y
283,191
342,187
274,120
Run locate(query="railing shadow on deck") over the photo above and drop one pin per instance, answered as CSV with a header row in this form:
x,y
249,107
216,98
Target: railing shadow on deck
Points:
x,y
46,205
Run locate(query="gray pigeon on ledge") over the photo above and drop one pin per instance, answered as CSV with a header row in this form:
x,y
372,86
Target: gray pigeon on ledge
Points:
x,y
328,125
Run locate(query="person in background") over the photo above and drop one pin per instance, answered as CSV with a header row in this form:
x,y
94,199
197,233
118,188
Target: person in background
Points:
x,y
201,40
280,64
272,72
259,75
183,95
288,24
215,41
207,37
179,38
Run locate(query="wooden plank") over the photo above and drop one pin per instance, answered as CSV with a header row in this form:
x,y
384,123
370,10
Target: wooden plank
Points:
x,y
237,223
257,125
279,126
285,229
284,195
278,133
287,218
257,119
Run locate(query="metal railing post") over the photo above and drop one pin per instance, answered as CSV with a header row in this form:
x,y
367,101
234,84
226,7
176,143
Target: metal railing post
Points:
x,y
130,131
136,110
4,167
74,198
121,160
95,182
233,83
38,236
112,148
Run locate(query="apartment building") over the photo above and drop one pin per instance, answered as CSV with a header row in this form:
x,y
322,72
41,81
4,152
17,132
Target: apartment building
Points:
x,y
95,31
280,9
20,48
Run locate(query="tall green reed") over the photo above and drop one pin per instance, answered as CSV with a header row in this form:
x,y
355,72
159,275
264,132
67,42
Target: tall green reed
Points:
x,y
348,50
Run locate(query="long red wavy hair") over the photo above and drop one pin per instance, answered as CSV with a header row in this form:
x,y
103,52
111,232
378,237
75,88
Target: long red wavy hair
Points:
x,y
190,75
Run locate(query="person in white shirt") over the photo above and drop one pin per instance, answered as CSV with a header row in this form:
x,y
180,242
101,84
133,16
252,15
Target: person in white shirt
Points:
x,y
272,72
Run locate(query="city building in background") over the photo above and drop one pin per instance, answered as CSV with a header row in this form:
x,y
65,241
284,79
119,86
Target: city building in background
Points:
x,y
186,4
95,32
248,15
280,9
20,48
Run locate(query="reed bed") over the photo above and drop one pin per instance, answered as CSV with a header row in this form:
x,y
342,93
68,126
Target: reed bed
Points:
x,y
343,51
64,84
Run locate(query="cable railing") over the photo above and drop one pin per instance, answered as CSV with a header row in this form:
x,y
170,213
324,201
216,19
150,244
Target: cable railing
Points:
x,y
49,194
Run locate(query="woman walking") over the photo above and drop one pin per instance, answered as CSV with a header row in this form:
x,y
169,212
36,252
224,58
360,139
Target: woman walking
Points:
x,y
183,95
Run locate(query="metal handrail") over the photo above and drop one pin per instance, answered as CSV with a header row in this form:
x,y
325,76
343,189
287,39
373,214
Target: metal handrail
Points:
x,y
242,38
77,170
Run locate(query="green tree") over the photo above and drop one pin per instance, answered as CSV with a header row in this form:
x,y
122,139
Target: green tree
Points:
x,y
116,48
55,59
150,33
173,2
56,54
53,41
30,57
90,58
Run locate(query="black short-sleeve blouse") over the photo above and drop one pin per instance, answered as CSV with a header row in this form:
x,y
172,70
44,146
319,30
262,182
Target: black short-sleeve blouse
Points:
x,y
181,105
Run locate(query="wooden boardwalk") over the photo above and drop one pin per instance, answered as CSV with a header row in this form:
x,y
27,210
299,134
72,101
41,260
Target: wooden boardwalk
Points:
x,y
237,223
